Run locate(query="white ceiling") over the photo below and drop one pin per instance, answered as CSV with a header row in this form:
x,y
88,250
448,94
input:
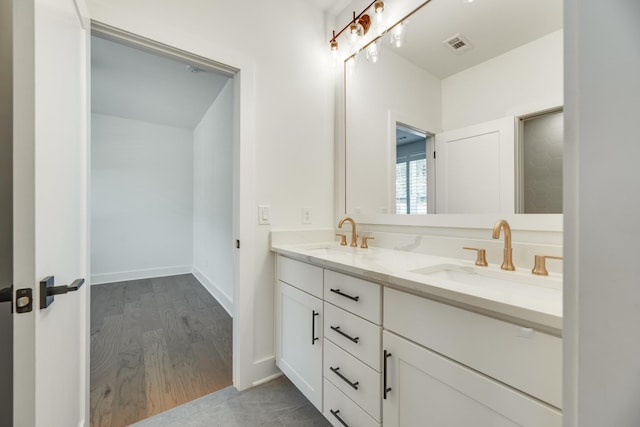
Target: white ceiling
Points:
x,y
331,6
492,26
138,85
134,84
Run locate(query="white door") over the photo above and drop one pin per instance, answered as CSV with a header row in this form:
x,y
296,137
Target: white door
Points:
x,y
50,210
475,169
426,389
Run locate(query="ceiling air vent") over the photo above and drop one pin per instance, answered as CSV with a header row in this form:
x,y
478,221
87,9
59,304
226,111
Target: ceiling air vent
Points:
x,y
458,44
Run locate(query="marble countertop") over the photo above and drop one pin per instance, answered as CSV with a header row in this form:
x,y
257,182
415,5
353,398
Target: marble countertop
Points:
x,y
517,296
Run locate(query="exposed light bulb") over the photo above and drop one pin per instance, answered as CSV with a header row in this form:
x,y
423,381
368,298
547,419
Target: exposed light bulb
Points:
x,y
372,53
379,8
398,34
353,32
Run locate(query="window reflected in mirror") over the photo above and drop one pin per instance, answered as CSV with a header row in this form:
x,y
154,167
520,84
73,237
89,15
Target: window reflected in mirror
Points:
x,y
541,146
412,170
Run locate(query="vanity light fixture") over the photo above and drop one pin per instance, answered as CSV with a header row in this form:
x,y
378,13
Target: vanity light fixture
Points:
x,y
360,24
334,45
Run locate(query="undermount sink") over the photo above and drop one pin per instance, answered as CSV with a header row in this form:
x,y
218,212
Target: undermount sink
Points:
x,y
329,249
483,276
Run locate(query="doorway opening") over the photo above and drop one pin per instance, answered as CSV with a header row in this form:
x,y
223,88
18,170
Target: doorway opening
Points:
x,y
162,219
414,170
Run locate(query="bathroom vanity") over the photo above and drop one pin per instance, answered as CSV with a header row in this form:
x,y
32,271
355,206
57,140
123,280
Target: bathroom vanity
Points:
x,y
385,337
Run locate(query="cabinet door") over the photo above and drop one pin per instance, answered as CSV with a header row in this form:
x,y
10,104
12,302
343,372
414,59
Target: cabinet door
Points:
x,y
300,341
426,389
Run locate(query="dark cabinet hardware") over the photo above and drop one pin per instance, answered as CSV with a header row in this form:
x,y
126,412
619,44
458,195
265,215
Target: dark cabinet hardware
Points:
x,y
6,294
337,291
340,420
343,378
349,337
313,327
385,388
47,290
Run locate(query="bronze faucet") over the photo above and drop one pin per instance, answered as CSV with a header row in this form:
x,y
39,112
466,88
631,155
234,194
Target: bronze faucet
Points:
x,y
507,262
354,236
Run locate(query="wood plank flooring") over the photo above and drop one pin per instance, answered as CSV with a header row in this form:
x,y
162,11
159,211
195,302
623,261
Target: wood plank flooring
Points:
x,y
155,344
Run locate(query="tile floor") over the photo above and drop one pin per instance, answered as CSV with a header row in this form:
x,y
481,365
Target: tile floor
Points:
x,y
274,404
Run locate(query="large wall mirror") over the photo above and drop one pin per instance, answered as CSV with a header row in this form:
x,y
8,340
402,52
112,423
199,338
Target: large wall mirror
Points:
x,y
461,118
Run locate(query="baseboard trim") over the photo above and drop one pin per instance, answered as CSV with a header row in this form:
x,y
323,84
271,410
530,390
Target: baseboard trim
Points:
x,y
267,379
214,290
98,279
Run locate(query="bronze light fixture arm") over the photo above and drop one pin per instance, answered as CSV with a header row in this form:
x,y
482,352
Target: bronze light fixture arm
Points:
x,y
356,18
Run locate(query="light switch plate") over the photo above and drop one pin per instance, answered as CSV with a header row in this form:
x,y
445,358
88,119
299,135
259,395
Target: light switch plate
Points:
x,y
264,214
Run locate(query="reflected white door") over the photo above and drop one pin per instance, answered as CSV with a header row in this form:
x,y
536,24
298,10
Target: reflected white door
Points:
x,y
475,169
50,210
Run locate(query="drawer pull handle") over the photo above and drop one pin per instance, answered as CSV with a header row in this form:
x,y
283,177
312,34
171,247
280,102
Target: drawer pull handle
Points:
x,y
337,291
347,336
385,388
313,327
335,414
343,378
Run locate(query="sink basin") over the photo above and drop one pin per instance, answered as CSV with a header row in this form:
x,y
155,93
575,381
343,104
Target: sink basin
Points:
x,y
332,249
483,276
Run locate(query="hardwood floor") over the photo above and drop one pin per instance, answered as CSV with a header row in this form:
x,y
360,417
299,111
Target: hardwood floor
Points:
x,y
155,344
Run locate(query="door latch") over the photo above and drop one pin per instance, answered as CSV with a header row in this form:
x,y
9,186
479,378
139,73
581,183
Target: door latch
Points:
x,y
24,300
47,290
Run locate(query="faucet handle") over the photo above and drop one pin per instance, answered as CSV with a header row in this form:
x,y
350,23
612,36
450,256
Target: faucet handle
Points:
x,y
539,267
364,244
481,256
343,239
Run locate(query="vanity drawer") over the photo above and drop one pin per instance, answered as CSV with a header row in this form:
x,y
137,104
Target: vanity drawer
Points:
x,y
524,358
303,276
358,296
344,329
355,379
337,405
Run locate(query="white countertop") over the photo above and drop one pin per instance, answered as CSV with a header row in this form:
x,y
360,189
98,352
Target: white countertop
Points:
x,y
531,299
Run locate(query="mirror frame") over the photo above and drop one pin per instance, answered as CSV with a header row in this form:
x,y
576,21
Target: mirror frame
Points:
x,y
530,222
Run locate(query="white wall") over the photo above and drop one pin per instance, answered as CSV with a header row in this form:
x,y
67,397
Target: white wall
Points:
x,y
283,48
412,96
526,79
6,209
602,207
141,199
212,199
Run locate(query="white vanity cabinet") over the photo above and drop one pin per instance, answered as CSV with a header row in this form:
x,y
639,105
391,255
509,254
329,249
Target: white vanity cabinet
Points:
x,y
329,331
299,326
448,366
368,355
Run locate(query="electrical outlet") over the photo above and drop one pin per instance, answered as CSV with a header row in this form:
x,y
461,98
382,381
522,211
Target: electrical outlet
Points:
x,y
306,215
